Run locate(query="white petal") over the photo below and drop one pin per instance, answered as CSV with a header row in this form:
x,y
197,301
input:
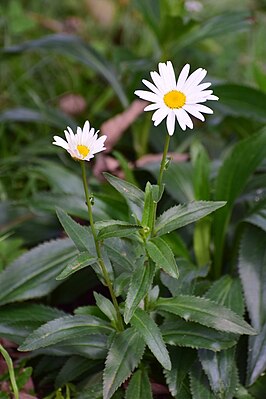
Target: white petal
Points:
x,y
182,77
185,118
159,115
198,88
170,122
147,95
212,97
203,108
158,81
60,142
152,107
86,127
171,74
193,111
195,78
151,86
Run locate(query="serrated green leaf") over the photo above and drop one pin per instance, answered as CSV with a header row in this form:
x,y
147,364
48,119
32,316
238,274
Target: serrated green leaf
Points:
x,y
19,320
220,369
227,291
242,393
139,386
182,360
64,328
205,312
106,306
140,283
149,208
92,346
232,177
181,215
162,255
80,235
132,194
257,215
115,228
33,274
151,334
199,383
121,252
82,260
193,335
123,357
256,356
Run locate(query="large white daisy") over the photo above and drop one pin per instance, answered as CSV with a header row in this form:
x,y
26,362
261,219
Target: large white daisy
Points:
x,y
82,145
177,99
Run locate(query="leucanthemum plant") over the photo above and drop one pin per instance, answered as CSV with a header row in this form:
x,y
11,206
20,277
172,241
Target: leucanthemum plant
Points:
x,y
128,256
176,99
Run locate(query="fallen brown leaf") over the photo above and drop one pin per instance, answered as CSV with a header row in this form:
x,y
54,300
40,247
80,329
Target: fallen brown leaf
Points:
x,y
72,104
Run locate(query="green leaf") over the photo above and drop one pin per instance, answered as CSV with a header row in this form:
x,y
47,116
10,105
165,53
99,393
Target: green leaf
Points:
x,y
162,255
181,215
91,346
151,334
182,360
199,383
74,47
193,335
150,11
33,274
242,393
123,357
64,328
201,171
82,260
80,235
132,194
221,371
140,283
149,208
121,252
242,101
232,177
115,228
252,270
19,320
257,215
139,386
106,306
205,312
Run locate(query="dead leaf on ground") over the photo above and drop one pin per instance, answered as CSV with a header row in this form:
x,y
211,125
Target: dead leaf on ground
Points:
x,y
72,104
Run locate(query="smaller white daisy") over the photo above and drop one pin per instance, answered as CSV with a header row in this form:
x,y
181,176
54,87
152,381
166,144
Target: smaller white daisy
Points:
x,y
176,99
82,145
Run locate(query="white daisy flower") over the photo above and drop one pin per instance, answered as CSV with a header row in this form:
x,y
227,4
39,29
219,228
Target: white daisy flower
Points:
x,y
176,99
82,145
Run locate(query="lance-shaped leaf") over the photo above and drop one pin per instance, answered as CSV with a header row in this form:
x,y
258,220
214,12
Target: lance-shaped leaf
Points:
x,y
151,198
199,385
162,255
132,194
115,228
33,274
80,235
123,357
139,386
82,260
106,306
182,215
140,283
152,336
252,269
64,328
205,312
184,333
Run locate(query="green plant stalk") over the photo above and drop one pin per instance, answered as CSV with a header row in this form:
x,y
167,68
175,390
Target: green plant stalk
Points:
x,y
160,177
10,370
98,250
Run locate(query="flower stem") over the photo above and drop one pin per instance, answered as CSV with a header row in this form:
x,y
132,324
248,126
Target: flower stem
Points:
x,y
97,247
11,371
160,177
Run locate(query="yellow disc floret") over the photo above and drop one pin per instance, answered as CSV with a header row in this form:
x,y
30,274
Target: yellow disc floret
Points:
x,y
83,150
174,99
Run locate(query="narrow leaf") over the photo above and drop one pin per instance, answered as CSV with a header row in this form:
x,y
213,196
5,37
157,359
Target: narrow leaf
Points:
x,y
106,306
115,228
123,357
181,215
152,336
149,208
162,255
139,386
199,383
205,312
140,283
68,327
82,260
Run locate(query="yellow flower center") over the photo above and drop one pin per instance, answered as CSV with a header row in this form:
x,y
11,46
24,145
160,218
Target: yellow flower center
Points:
x,y
83,150
174,99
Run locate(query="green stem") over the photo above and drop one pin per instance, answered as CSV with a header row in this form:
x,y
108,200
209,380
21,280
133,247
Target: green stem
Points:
x,y
98,250
10,370
160,177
